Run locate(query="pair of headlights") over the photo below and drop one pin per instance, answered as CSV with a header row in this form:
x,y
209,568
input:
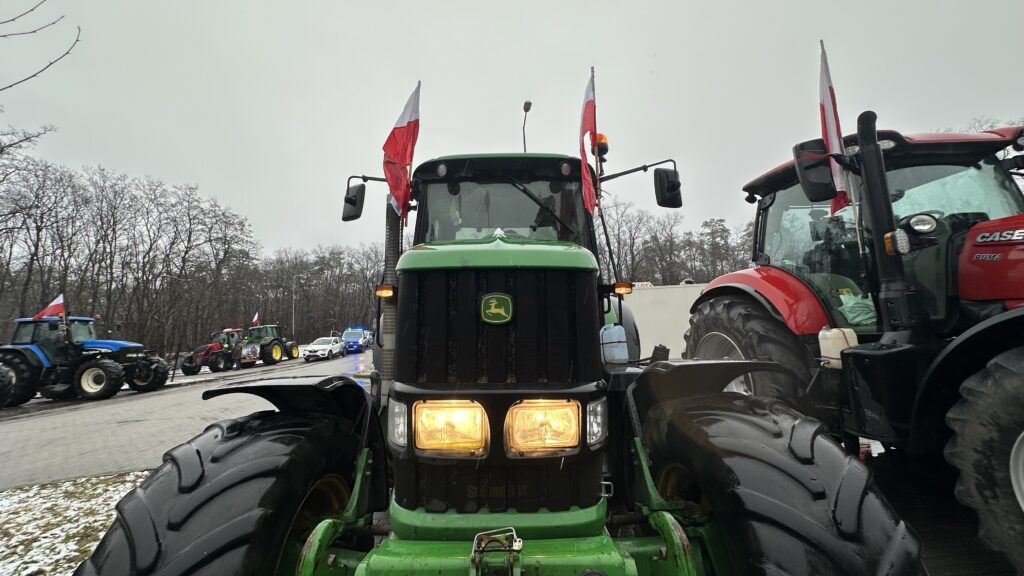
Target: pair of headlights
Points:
x,y
460,428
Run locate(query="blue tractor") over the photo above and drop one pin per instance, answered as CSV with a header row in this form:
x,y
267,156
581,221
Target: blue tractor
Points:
x,y
61,360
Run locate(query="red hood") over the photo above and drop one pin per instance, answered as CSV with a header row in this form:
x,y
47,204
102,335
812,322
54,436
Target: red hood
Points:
x,y
991,265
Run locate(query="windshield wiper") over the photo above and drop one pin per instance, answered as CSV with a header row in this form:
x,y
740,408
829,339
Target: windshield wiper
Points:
x,y
529,194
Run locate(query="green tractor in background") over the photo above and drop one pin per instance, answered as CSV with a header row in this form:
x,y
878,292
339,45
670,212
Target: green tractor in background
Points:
x,y
264,342
510,430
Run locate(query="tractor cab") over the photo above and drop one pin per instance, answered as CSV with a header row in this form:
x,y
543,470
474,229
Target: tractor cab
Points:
x,y
519,197
261,333
227,338
941,186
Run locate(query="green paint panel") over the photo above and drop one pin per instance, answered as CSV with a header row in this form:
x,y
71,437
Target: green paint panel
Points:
x,y
496,252
550,557
422,525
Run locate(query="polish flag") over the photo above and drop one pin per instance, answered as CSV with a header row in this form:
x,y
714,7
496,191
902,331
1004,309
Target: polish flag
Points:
x,y
55,308
588,123
256,319
398,151
831,133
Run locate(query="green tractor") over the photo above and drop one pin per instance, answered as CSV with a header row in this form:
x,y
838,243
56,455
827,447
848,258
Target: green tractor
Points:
x,y
508,430
265,343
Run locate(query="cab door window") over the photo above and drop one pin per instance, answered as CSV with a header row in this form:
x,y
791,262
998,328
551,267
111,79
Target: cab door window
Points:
x,y
821,249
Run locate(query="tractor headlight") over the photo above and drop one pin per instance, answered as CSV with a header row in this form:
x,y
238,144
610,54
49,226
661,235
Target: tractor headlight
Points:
x,y
597,421
398,423
451,427
542,427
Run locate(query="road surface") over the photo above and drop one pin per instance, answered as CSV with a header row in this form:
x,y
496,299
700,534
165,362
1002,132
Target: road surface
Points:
x,y
45,441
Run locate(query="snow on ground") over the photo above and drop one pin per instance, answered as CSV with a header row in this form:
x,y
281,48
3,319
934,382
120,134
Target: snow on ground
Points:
x,y
48,529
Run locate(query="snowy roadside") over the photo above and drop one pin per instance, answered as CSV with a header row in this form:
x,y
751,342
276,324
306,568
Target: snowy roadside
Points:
x,y
48,529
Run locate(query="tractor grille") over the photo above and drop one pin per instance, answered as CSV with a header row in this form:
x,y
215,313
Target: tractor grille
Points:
x,y
552,340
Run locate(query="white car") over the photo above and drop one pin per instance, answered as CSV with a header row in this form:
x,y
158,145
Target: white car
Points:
x,y
324,348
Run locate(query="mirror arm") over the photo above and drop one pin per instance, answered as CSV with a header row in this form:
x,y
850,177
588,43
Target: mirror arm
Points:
x,y
364,178
643,168
846,162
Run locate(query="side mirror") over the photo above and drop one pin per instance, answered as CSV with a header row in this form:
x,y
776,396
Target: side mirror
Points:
x,y
354,203
814,171
667,188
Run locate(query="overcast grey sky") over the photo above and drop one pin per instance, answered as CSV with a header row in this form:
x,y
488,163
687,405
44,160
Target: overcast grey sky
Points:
x,y
269,106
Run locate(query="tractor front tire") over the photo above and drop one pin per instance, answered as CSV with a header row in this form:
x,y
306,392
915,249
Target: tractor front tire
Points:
x,y
22,381
987,448
240,498
786,498
189,367
293,350
152,378
747,329
98,379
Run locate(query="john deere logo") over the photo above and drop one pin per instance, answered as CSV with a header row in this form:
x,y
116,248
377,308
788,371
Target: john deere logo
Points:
x,y
496,308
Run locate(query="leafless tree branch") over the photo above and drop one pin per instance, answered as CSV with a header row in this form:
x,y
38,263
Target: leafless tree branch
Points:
x,y
27,32
78,36
29,11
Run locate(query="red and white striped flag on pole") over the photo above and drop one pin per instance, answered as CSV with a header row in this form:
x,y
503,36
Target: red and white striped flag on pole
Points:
x,y
831,133
55,308
398,150
588,123
256,319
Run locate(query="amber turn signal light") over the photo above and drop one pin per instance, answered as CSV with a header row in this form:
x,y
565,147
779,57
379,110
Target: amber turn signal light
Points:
x,y
385,290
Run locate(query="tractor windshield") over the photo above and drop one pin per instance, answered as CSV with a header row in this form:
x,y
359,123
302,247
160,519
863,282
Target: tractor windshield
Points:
x,y
82,331
259,332
982,189
536,210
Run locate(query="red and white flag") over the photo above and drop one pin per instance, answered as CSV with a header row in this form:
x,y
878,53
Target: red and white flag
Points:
x,y
55,308
256,319
398,151
588,123
831,133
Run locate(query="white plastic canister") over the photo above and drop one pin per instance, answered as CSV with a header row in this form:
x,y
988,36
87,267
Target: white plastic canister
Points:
x,y
833,341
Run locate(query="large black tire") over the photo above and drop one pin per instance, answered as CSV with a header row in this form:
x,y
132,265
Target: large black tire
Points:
x,y
21,381
786,497
98,379
757,335
219,362
150,375
189,367
272,353
988,439
293,350
223,502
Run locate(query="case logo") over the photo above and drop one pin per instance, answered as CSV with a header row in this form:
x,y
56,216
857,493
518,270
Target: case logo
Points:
x,y
1004,236
496,308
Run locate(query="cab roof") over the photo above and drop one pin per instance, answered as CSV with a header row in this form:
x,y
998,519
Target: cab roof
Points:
x,y
55,319
520,165
910,150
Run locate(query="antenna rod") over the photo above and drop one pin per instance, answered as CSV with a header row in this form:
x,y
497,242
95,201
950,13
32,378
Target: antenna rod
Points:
x,y
526,110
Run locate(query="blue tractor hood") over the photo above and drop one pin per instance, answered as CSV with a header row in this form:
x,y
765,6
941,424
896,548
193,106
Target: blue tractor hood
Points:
x,y
109,344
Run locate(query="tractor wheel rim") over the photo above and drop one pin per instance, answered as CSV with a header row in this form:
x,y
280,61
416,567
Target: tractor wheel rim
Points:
x,y
275,352
1017,469
326,499
93,380
717,346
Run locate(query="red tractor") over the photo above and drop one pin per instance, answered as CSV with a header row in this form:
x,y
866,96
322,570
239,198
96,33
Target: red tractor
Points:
x,y
902,311
215,354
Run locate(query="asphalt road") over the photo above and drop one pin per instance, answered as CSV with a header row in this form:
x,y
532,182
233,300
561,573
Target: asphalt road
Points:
x,y
45,441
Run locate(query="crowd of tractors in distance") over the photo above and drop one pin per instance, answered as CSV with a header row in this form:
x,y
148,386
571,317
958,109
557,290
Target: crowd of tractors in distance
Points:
x,y
61,358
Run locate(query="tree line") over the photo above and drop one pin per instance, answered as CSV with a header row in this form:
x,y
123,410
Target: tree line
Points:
x,y
160,263
657,249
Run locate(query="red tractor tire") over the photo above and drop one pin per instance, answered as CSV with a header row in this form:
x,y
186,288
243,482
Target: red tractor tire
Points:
x,y
740,323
